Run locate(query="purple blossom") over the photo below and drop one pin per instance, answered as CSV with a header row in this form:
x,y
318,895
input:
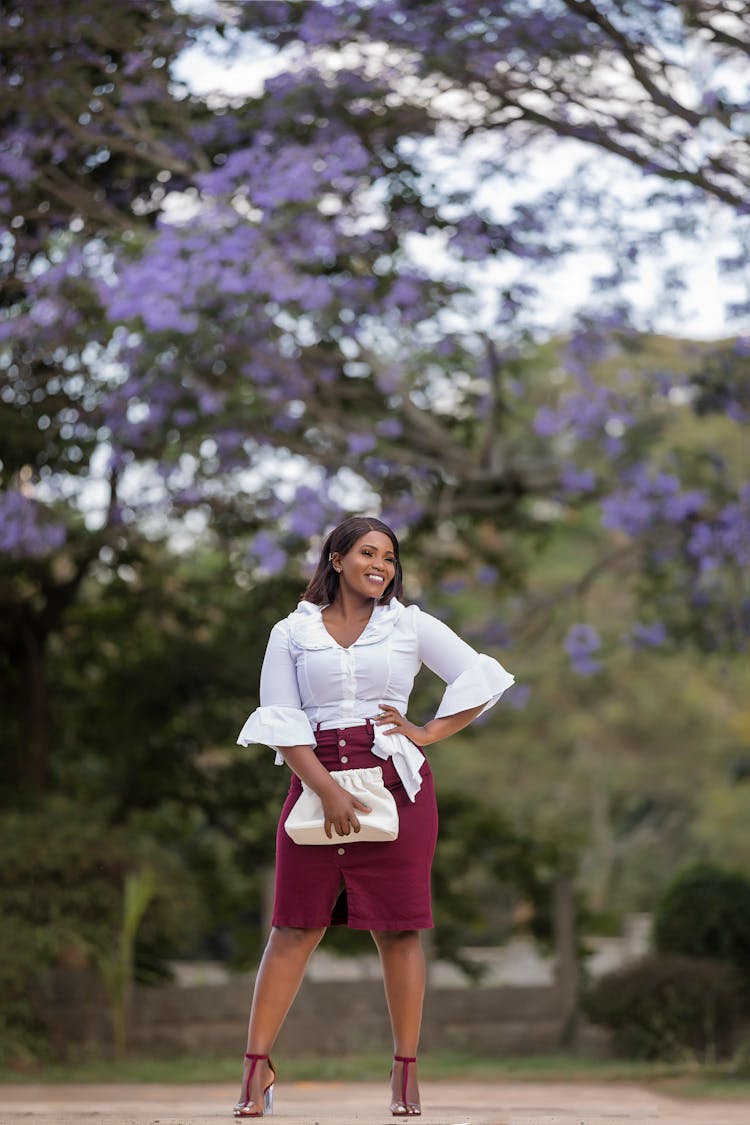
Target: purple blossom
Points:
x,y
403,512
581,642
14,165
319,26
487,575
361,443
389,428
265,550
628,511
548,422
229,439
390,379
736,411
188,497
734,528
446,346
406,294
496,634
677,508
376,467
613,446
588,413
13,327
471,238
45,312
517,696
659,483
575,480
703,545
649,499
26,528
209,402
309,511
648,635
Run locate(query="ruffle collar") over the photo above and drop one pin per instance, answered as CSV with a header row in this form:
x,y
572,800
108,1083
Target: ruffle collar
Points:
x,y
307,630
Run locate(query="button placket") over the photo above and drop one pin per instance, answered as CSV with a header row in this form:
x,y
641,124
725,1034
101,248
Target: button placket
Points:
x,y
350,681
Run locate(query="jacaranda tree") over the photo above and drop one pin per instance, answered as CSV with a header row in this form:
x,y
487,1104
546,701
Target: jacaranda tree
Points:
x,y
239,317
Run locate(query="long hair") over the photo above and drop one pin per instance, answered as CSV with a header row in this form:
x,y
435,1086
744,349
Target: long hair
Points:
x,y
324,584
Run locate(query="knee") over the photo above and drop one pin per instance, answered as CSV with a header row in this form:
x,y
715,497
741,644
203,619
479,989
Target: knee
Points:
x,y
290,939
395,939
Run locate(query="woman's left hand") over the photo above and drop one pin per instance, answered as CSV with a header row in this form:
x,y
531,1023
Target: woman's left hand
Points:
x,y
399,724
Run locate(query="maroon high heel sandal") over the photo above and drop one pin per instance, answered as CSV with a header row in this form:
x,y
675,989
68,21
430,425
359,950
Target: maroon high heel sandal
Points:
x,y
403,1107
248,1108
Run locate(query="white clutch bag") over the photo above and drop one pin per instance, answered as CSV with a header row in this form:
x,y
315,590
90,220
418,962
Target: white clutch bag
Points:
x,y
305,821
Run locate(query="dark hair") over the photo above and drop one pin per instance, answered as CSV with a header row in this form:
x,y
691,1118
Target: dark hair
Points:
x,y
324,584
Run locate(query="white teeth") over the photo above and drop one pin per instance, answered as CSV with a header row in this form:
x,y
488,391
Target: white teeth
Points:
x,y
374,577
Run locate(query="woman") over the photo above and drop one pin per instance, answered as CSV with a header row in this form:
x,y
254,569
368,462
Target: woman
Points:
x,y
334,689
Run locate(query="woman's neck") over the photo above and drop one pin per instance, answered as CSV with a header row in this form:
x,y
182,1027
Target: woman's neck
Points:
x,y
352,607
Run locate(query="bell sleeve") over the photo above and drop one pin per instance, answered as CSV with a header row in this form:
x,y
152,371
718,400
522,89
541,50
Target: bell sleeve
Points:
x,y
280,720
472,678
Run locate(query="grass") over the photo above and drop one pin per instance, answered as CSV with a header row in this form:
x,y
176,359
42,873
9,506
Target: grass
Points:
x,y
685,1080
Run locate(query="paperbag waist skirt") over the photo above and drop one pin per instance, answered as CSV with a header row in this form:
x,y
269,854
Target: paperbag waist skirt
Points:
x,y
368,885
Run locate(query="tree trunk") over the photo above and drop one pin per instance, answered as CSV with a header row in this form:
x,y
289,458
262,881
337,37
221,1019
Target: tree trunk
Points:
x,y
564,916
35,720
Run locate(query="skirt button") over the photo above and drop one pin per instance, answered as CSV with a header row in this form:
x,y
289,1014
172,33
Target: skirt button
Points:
x,y
341,851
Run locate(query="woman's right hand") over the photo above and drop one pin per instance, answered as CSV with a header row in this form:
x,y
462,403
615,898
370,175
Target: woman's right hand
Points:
x,y
340,810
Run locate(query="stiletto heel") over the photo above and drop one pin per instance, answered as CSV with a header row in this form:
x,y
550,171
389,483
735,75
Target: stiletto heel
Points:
x,y
247,1108
403,1107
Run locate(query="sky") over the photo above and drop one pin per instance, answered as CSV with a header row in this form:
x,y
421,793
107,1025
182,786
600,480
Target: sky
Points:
x,y
565,289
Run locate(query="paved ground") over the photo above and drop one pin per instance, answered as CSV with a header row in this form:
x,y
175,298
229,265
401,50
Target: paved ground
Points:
x,y
341,1103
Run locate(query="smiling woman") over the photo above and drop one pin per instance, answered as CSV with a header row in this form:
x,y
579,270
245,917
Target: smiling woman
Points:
x,y
334,689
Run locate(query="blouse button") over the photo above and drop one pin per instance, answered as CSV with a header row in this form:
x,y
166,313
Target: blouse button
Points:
x,y
340,851
342,742
344,758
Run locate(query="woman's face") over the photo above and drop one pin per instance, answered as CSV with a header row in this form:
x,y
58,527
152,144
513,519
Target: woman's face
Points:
x,y
369,566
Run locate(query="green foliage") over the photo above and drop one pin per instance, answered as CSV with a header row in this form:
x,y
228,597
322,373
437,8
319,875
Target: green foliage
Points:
x,y
705,912
117,962
62,874
482,868
669,1007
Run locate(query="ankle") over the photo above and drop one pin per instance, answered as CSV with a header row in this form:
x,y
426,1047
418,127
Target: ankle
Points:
x,y
404,1087
258,1070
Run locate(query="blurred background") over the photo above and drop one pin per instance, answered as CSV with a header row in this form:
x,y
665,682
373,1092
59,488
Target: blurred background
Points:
x,y
481,270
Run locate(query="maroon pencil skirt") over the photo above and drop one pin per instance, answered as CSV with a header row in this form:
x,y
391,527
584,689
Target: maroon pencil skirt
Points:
x,y
366,886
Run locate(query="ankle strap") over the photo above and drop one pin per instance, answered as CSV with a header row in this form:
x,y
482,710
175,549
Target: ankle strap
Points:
x,y
404,1058
250,1055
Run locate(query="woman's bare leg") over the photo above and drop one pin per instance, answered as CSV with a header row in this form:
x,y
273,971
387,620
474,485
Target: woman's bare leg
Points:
x,y
404,977
280,974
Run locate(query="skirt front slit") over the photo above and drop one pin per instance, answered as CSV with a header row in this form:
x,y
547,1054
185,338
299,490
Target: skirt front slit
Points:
x,y
366,886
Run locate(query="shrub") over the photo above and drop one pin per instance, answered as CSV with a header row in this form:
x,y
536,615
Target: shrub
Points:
x,y
705,912
62,870
668,1006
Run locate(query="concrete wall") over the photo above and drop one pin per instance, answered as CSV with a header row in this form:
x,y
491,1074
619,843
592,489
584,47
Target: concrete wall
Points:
x,y
328,1018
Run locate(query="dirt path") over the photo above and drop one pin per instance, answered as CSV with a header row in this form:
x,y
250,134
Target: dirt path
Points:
x,y
346,1103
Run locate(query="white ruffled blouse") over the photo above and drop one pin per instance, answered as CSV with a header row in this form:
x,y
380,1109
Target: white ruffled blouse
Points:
x,y
309,678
